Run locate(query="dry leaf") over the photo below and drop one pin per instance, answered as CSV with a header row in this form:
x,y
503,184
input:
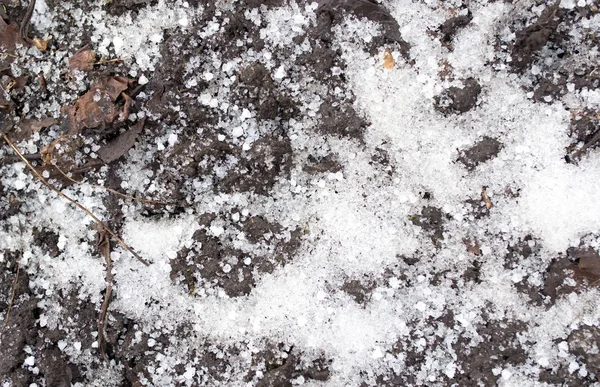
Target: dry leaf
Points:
x,y
62,151
486,199
388,59
41,44
97,107
114,86
9,38
588,266
28,127
120,145
83,59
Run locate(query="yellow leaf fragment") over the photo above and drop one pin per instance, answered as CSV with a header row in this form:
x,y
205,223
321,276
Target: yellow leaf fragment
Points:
x,y
486,199
388,59
41,44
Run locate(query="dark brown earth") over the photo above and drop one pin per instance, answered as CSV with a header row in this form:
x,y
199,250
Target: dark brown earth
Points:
x,y
200,266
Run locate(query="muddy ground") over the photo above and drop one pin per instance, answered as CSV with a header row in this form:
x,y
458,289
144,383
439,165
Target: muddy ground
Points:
x,y
198,268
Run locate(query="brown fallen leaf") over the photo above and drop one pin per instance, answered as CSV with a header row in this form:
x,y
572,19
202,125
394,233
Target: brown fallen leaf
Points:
x,y
100,107
114,86
83,59
388,59
28,127
486,198
120,145
588,266
62,152
97,107
9,38
41,44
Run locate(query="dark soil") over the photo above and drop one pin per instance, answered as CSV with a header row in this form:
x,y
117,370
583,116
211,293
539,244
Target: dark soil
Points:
x,y
482,151
212,264
459,99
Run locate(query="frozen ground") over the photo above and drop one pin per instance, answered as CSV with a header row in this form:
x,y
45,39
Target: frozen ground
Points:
x,y
360,193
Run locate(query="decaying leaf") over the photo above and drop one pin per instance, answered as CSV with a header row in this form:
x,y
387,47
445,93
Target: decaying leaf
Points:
x,y
28,127
97,107
62,151
588,265
388,59
83,59
120,145
486,198
114,86
9,38
41,44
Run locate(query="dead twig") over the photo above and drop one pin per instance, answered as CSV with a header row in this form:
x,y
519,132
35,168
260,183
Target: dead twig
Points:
x,y
108,189
25,22
8,54
103,245
105,61
14,284
579,153
47,184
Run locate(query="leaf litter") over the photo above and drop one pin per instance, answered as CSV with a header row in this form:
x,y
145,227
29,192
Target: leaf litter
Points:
x,y
361,252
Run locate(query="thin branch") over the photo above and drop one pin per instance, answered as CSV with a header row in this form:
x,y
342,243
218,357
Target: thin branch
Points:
x,y
47,184
579,153
105,61
104,247
108,189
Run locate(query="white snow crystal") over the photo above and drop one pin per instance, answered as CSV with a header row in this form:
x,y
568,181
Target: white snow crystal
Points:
x,y
279,73
237,132
19,184
377,353
189,373
217,230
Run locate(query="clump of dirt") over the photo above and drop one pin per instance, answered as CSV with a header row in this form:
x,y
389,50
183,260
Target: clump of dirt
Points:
x,y
327,164
341,120
477,208
498,348
118,7
329,13
482,151
256,89
585,132
359,290
584,343
280,366
551,55
21,336
580,265
431,220
414,350
457,100
473,272
535,36
451,26
212,262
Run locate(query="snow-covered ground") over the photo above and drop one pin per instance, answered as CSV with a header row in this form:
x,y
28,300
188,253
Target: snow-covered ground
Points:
x,y
352,208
